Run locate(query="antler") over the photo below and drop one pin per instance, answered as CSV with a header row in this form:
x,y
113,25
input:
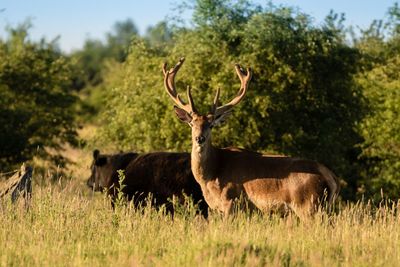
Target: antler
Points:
x,y
169,83
244,80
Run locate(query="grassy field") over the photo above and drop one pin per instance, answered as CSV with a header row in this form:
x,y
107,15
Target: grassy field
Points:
x,y
69,226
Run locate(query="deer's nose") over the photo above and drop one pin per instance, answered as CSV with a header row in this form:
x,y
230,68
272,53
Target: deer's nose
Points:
x,y
200,139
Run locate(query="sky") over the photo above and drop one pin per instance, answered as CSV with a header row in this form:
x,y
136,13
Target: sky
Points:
x,y
76,20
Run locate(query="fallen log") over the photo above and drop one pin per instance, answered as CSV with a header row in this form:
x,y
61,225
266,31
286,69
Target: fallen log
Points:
x,y
19,185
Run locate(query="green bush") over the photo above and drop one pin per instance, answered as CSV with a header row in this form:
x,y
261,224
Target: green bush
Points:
x,y
302,100
380,129
36,104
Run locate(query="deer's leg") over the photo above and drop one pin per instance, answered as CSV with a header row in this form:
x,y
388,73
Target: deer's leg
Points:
x,y
227,208
229,194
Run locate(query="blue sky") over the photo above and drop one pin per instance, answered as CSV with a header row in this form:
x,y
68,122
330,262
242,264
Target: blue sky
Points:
x,y
75,20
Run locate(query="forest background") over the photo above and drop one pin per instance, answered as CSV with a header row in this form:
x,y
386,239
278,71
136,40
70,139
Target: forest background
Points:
x,y
320,91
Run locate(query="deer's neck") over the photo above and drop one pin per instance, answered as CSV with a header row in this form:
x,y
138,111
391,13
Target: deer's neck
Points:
x,y
204,162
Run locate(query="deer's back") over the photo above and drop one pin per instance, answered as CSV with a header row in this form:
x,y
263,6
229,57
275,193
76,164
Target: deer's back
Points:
x,y
267,179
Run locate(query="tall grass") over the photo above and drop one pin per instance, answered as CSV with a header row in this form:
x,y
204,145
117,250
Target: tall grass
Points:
x,y
66,227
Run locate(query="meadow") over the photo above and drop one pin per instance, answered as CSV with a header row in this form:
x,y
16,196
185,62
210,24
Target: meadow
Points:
x,y
67,225
315,94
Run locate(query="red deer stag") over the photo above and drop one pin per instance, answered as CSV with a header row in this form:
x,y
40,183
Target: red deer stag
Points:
x,y
266,182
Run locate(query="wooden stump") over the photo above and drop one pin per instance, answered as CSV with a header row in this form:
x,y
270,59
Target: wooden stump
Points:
x,y
20,184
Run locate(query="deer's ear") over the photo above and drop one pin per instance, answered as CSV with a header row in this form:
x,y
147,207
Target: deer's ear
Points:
x,y
96,154
182,115
218,120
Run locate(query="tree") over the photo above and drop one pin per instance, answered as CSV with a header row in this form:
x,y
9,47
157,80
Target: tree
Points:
x,y
119,40
36,104
95,53
159,35
380,129
302,100
97,62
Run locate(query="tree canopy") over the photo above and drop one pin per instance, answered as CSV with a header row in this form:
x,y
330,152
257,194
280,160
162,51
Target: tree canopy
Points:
x,y
302,101
36,103
318,91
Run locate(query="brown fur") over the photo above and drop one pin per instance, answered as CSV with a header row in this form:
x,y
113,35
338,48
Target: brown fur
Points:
x,y
267,182
104,168
164,175
225,175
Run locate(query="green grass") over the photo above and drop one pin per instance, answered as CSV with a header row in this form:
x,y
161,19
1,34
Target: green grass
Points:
x,y
65,226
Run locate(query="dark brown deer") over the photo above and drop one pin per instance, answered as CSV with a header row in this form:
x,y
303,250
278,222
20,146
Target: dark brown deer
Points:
x,y
164,175
267,182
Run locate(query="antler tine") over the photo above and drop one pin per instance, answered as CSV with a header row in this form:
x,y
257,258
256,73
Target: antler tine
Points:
x,y
244,78
244,82
190,99
169,84
164,68
215,102
169,75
